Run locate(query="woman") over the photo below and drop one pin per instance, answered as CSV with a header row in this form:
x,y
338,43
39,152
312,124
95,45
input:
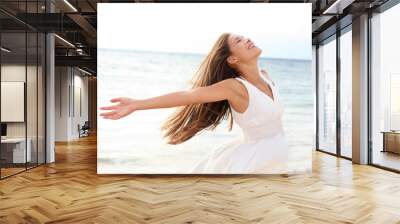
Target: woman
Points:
x,y
228,84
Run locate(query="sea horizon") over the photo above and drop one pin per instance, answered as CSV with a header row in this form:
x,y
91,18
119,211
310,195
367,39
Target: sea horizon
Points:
x,y
192,53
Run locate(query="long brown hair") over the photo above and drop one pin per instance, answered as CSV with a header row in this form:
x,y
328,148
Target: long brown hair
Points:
x,y
188,120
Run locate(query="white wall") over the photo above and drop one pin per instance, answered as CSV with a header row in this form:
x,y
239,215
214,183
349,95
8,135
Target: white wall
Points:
x,y
61,103
70,83
80,89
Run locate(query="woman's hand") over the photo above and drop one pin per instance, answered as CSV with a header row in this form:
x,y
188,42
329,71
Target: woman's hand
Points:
x,y
125,107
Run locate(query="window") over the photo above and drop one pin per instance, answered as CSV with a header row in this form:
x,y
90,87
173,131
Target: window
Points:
x,y
346,94
385,89
327,96
22,79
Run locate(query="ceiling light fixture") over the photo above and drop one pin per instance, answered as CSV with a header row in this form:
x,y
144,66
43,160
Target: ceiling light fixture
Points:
x,y
338,6
86,72
64,40
70,5
5,49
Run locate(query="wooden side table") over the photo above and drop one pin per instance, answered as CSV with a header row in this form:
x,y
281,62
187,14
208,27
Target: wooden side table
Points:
x,y
391,141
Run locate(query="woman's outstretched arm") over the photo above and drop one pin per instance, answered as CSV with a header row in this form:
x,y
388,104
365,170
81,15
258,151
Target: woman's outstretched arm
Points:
x,y
223,90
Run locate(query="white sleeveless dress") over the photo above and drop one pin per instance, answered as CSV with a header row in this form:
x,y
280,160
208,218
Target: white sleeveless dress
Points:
x,y
262,148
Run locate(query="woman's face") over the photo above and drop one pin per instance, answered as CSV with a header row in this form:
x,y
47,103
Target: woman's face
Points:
x,y
242,48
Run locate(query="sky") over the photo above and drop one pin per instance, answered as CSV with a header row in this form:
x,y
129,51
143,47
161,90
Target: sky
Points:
x,y
281,30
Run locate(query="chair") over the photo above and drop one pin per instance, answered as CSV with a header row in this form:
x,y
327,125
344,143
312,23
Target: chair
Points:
x,y
84,130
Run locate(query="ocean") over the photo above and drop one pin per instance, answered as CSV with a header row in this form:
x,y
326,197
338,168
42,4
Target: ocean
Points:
x,y
134,144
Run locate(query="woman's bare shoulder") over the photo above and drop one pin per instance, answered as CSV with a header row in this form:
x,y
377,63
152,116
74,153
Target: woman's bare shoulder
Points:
x,y
266,75
232,83
236,87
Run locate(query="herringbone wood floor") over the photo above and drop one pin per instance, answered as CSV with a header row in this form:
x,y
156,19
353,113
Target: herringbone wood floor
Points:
x,y
70,191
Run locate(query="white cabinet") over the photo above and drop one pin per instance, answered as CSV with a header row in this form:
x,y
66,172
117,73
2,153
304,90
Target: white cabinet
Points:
x,y
18,149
